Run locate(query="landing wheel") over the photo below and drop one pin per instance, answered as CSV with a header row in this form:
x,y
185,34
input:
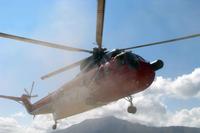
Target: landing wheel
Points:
x,y
54,126
132,109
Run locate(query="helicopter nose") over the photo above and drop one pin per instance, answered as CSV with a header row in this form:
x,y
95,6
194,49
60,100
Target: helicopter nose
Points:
x,y
156,65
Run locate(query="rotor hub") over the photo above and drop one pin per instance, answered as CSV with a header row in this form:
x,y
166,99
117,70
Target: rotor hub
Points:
x,y
98,54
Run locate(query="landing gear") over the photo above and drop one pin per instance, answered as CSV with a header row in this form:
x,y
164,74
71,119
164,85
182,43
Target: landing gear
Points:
x,y
54,126
131,109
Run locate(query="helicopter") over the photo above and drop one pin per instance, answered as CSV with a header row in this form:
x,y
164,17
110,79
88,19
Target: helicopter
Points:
x,y
105,76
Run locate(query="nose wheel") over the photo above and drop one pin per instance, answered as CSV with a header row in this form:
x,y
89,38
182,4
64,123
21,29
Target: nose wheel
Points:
x,y
131,108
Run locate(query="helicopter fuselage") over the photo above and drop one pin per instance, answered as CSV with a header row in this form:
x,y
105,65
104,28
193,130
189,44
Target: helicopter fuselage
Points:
x,y
113,80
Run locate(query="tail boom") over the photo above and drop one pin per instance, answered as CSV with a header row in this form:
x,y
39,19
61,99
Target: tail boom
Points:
x,y
17,99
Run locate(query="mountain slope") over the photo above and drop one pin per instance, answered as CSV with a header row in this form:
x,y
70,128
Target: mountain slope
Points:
x,y
114,125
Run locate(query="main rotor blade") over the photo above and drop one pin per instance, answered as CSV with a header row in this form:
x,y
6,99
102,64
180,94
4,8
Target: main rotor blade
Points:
x,y
32,88
100,22
43,43
62,69
163,42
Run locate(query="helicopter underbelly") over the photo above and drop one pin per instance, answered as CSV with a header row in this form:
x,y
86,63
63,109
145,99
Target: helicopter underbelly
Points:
x,y
72,98
71,102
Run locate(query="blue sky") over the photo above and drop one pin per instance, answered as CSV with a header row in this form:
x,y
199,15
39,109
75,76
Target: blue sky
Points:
x,y
127,23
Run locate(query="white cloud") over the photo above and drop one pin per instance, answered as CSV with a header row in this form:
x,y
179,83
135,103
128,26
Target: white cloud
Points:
x,y
10,125
187,85
186,117
41,124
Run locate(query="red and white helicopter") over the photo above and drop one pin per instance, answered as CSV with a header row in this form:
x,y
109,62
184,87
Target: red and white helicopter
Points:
x,y
105,76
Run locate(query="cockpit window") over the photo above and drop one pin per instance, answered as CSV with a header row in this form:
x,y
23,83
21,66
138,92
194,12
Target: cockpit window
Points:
x,y
140,58
127,58
132,60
